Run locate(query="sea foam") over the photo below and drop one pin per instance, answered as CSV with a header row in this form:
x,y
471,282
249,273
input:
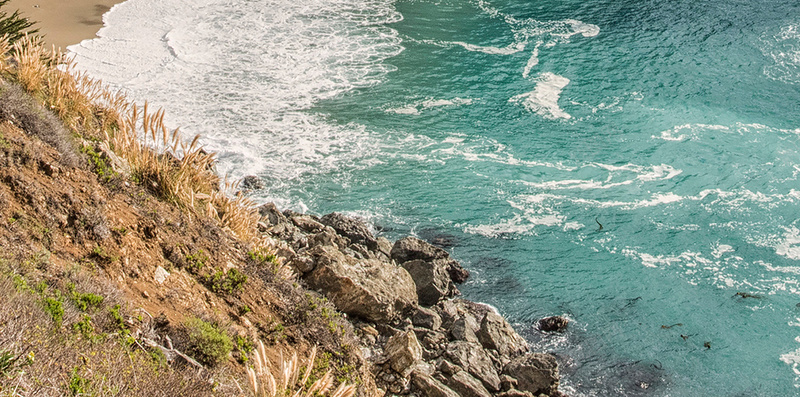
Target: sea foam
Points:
x,y
543,100
244,74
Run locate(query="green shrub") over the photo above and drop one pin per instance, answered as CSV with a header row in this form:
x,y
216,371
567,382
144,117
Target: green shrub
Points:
x,y
7,362
78,385
87,300
207,343
195,262
230,282
54,307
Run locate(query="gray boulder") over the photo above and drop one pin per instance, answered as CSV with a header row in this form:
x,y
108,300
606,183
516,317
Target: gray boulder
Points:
x,y
535,373
496,333
464,328
466,385
412,248
474,360
307,223
351,228
270,213
426,318
432,281
403,352
368,289
426,386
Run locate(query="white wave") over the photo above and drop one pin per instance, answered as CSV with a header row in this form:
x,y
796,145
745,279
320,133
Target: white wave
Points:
x,y
789,246
543,100
783,48
578,27
507,50
191,58
532,61
417,107
518,225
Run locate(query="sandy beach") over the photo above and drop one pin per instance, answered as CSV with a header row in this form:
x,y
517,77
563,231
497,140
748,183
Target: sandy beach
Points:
x,y
65,22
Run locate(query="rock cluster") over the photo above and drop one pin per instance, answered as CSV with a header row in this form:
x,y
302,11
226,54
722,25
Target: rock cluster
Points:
x,y
401,297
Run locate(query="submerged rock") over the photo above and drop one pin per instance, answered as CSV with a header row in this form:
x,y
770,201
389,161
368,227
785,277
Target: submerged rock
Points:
x,y
553,324
252,182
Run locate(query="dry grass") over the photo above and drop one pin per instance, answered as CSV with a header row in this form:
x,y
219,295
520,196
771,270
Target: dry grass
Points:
x,y
158,157
286,379
89,353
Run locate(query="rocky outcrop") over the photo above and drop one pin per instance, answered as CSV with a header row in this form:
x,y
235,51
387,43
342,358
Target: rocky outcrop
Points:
x,y
355,230
536,373
432,281
496,333
421,341
403,352
369,289
412,248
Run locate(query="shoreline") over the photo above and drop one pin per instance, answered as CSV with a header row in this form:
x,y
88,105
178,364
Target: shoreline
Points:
x,y
64,23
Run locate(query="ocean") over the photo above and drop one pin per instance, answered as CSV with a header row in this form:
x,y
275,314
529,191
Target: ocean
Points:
x,y
632,165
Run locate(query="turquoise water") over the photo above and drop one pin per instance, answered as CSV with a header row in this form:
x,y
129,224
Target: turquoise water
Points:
x,y
512,129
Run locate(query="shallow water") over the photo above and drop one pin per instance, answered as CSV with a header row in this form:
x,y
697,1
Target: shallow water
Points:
x,y
513,129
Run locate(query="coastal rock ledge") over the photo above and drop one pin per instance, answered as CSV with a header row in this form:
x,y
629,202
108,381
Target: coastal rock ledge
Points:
x,y
419,338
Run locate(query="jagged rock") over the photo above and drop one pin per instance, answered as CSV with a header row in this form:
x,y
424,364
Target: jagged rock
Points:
x,y
447,368
412,248
369,289
327,236
291,234
426,386
404,352
536,373
457,273
307,224
432,281
464,329
426,318
496,333
430,339
507,383
474,360
553,324
302,263
448,311
269,212
466,385
351,228
515,393
252,182
385,247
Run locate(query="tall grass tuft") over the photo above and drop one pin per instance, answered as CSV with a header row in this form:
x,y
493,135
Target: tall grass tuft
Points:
x,y
159,158
267,380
